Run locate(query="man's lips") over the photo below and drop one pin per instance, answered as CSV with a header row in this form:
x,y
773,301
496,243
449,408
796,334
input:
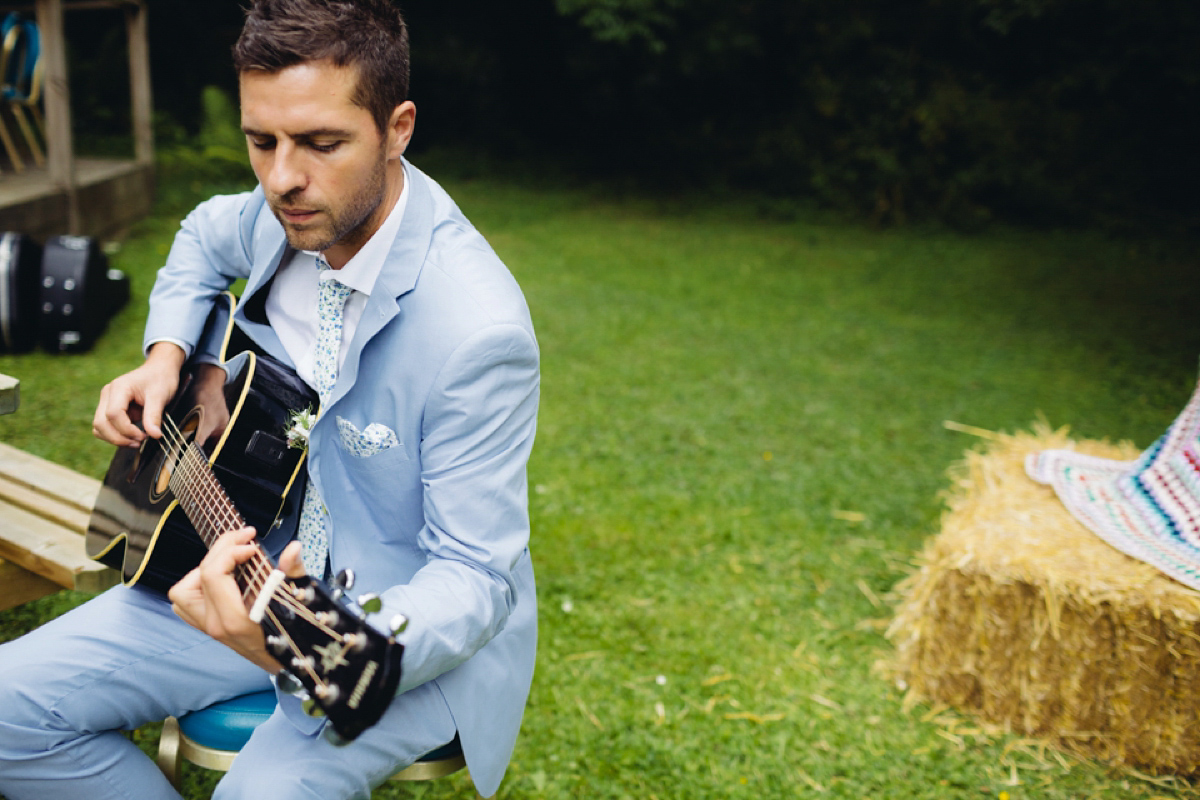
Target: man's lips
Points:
x,y
298,216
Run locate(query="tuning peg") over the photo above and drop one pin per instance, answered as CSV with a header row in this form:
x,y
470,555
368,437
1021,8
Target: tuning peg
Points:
x,y
312,709
289,683
344,580
398,624
370,602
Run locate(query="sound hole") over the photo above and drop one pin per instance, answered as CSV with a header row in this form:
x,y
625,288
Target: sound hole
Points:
x,y
173,452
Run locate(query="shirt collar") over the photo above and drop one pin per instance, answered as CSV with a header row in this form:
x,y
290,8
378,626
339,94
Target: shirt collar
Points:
x,y
361,271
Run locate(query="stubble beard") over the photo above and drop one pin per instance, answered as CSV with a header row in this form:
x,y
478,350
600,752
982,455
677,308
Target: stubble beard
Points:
x,y
349,225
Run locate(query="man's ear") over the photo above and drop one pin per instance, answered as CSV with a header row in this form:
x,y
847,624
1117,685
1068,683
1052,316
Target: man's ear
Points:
x,y
400,128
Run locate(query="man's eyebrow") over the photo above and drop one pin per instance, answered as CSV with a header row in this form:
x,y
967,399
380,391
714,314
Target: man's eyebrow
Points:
x,y
316,133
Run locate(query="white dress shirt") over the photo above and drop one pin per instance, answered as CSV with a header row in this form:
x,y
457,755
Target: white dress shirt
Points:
x,y
292,304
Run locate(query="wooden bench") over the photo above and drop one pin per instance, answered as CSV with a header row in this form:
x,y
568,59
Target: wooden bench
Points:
x,y
44,511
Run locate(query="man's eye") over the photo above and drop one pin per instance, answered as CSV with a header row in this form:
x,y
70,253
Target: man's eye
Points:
x,y
262,144
324,147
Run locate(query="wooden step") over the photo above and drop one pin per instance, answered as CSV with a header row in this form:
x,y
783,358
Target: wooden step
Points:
x,y
44,512
55,482
43,546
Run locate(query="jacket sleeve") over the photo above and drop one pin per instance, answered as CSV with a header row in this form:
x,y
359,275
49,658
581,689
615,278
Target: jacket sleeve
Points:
x,y
210,252
477,434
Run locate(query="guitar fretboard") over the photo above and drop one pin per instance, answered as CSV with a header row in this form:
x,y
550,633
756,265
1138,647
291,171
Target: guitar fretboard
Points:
x,y
209,508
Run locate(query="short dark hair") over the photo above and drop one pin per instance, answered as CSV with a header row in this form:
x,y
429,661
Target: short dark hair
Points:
x,y
368,34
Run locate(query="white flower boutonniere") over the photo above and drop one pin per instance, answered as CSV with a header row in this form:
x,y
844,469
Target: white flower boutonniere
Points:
x,y
299,426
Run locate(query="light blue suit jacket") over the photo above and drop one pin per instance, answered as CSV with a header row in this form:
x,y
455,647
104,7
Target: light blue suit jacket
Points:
x,y
444,356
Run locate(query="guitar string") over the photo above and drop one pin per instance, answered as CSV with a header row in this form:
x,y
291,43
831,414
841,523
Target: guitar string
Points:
x,y
193,468
193,473
191,461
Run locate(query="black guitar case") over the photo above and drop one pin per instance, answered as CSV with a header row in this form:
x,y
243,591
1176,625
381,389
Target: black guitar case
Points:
x,y
20,283
79,293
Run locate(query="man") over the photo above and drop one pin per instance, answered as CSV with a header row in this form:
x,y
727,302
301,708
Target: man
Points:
x,y
417,459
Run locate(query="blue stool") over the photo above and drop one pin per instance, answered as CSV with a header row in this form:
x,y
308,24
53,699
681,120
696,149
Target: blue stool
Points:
x,y
212,736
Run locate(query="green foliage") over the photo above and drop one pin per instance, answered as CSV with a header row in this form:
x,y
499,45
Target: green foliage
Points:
x,y
740,448
216,154
624,21
221,128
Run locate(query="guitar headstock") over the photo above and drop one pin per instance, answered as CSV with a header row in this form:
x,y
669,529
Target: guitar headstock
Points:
x,y
349,670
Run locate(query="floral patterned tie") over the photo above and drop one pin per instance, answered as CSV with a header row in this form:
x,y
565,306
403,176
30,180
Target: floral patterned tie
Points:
x,y
331,302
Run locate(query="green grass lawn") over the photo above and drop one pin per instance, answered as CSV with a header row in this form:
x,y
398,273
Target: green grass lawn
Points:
x,y
741,448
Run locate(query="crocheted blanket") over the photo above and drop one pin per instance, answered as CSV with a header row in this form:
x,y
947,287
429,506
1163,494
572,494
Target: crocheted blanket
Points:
x,y
1148,508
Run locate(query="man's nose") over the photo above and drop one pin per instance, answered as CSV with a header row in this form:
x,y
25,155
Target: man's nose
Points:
x,y
286,174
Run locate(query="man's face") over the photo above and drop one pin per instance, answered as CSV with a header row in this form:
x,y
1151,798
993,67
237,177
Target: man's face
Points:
x,y
325,167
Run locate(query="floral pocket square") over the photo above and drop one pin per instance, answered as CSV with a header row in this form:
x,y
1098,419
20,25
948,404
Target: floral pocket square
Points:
x,y
375,439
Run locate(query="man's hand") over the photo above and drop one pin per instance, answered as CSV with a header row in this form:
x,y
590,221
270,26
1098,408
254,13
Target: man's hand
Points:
x,y
208,597
139,396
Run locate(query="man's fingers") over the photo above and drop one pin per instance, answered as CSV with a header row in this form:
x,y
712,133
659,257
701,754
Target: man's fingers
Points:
x,y
209,598
225,609
138,395
111,421
238,536
155,401
227,552
291,561
187,599
121,407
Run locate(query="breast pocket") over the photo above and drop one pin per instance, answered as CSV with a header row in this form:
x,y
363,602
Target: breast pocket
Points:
x,y
386,489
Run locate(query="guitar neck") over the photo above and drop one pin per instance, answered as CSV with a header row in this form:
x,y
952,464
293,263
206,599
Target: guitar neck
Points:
x,y
210,509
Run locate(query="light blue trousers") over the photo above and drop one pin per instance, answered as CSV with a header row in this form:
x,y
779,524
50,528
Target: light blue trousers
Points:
x,y
123,659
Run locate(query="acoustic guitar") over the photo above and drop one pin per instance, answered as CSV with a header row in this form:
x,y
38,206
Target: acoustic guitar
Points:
x,y
224,462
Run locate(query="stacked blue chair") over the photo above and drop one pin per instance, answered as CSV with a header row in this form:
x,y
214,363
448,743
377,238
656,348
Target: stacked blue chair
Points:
x,y
9,34
21,67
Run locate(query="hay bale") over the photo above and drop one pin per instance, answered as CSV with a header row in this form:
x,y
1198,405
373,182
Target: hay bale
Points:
x,y
1020,614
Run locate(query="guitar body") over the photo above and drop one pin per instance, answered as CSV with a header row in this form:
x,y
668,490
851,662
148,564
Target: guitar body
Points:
x,y
137,526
